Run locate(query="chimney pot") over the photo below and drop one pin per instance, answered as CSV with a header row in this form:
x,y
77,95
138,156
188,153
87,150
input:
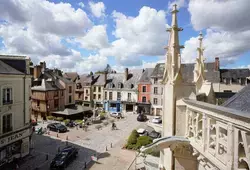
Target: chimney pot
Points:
x,y
217,64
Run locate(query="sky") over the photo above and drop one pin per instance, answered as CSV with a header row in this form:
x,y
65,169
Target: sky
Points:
x,y
86,35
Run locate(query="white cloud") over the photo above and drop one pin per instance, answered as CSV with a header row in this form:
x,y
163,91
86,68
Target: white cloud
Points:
x,y
143,35
96,38
220,14
19,41
45,17
227,31
91,63
179,3
81,4
97,9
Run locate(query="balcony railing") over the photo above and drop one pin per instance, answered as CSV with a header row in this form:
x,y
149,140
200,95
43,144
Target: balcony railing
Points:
x,y
218,135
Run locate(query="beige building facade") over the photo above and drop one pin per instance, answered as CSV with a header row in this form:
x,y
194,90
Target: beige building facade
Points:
x,y
15,131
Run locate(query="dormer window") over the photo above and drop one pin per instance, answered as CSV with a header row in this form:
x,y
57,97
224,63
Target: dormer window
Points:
x,y
132,86
120,85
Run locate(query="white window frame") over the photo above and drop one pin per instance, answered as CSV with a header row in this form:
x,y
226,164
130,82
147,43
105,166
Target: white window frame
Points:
x,y
145,89
1,94
143,98
155,103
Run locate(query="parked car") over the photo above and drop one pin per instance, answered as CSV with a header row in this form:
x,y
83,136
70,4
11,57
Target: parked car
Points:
x,y
116,114
64,158
57,127
70,124
141,118
157,119
142,132
154,135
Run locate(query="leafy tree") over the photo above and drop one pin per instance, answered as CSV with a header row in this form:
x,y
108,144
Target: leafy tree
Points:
x,y
91,73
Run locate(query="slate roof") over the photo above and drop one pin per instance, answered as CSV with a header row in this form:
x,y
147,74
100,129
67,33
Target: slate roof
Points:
x,y
87,80
7,69
48,73
240,101
158,70
100,80
234,73
130,84
145,78
45,86
16,62
71,75
187,71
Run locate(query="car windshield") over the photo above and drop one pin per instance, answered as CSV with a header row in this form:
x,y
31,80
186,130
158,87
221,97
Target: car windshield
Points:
x,y
59,125
61,156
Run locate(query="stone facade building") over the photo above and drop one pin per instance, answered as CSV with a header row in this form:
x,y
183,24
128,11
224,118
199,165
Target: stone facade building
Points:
x,y
121,91
157,89
144,92
15,130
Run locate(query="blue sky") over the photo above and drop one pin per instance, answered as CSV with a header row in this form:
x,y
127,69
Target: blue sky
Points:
x,y
86,35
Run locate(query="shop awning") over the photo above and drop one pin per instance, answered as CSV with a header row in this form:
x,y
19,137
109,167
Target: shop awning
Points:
x,y
68,111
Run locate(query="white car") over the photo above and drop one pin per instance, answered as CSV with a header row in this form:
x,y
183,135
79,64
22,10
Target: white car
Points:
x,y
142,132
115,114
157,119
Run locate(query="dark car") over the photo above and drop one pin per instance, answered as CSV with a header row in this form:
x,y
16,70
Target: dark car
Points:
x,y
70,124
141,118
57,127
154,135
64,158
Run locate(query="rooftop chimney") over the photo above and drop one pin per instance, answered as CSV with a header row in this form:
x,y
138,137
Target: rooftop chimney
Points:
x,y
217,64
37,71
43,66
126,74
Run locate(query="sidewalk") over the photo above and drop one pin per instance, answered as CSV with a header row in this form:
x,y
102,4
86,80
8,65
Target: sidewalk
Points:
x,y
118,159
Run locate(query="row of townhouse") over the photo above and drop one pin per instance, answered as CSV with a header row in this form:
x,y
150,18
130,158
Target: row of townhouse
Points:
x,y
142,90
15,129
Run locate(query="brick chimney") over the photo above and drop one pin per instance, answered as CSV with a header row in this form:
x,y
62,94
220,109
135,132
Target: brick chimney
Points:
x,y
126,74
217,64
37,71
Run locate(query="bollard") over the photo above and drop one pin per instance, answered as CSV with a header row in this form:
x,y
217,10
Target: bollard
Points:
x,y
57,135
106,148
85,164
47,157
111,145
67,138
48,132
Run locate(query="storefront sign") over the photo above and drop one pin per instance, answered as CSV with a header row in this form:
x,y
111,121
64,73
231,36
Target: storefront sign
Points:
x,y
14,137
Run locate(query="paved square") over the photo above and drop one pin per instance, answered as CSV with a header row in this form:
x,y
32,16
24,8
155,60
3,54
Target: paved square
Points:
x,y
89,143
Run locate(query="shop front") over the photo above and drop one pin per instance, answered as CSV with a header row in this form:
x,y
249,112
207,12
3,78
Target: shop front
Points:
x,y
14,145
144,108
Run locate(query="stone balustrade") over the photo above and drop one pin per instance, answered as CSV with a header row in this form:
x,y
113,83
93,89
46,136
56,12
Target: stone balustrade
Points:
x,y
220,136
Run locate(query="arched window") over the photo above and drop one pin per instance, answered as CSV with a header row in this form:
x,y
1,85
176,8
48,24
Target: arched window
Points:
x,y
144,99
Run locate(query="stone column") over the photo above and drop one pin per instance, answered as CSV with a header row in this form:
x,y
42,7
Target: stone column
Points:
x,y
230,146
204,131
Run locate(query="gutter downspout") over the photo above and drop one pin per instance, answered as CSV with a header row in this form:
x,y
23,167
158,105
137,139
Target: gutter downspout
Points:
x,y
24,100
